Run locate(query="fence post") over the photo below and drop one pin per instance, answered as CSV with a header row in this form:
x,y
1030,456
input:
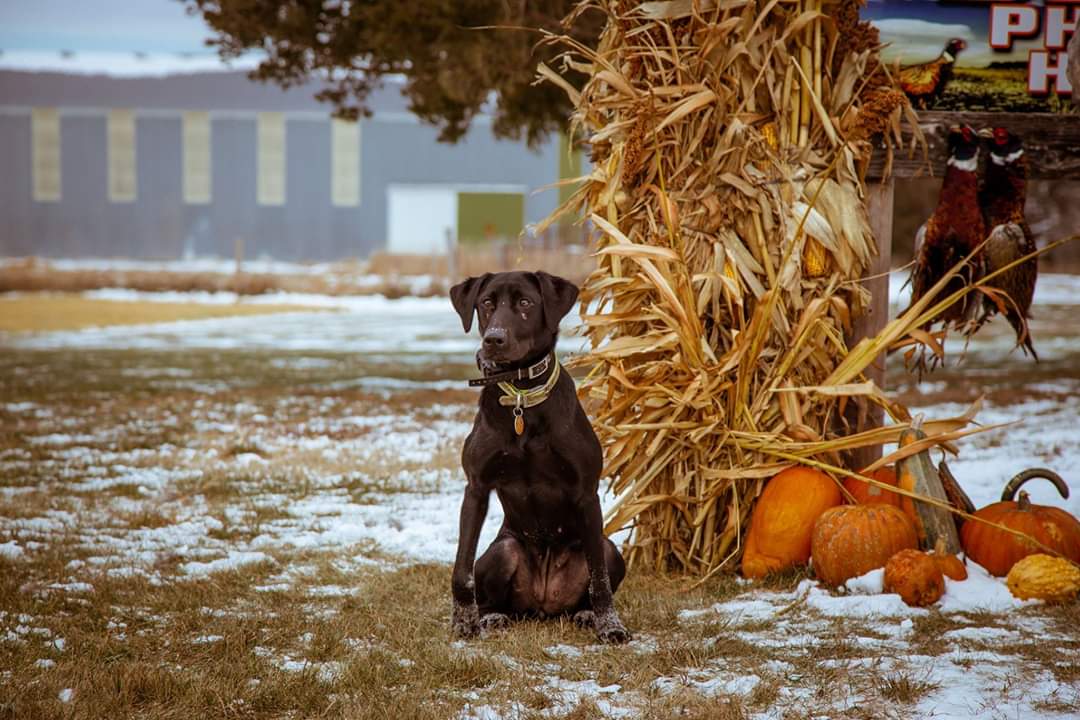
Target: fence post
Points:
x,y
879,207
238,256
504,254
1072,69
451,256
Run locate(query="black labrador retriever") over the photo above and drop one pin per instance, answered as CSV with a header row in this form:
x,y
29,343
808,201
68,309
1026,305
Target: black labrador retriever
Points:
x,y
533,445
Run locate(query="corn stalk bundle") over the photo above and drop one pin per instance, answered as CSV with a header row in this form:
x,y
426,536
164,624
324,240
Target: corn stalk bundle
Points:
x,y
728,138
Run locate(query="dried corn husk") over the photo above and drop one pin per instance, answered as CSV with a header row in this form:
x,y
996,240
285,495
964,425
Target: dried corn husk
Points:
x,y
728,141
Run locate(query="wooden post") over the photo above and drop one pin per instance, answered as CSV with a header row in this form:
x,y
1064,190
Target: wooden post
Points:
x,y
451,257
238,253
916,473
1072,70
504,255
879,206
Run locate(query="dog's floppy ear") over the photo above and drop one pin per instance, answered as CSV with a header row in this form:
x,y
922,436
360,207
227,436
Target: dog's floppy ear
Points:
x,y
558,297
463,296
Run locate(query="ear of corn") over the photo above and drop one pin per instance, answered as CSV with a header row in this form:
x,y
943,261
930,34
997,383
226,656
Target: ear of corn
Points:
x,y
815,259
729,140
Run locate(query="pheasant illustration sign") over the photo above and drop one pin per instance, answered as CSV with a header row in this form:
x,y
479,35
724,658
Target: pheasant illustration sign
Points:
x,y
972,55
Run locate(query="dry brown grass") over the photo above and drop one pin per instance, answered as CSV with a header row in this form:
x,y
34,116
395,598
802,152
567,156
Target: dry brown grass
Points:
x,y
398,274
568,263
130,650
36,276
379,646
49,312
904,688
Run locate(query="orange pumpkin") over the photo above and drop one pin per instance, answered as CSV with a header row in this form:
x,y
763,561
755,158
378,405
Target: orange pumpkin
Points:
x,y
865,493
783,520
998,550
852,540
915,577
951,566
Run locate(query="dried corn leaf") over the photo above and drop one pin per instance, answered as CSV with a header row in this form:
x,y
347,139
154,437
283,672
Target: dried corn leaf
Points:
x,y
719,140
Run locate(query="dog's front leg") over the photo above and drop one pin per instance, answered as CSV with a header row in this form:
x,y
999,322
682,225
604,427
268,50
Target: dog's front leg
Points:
x,y
609,627
465,620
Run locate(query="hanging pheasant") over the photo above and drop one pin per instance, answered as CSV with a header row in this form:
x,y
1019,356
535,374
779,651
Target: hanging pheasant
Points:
x,y
954,229
1002,199
924,83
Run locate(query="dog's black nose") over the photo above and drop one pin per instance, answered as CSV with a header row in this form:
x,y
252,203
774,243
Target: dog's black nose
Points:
x,y
495,337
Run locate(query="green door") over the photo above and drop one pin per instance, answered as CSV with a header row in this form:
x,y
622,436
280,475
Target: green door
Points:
x,y
485,216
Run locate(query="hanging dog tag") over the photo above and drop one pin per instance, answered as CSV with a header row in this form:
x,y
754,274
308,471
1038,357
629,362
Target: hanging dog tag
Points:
x,y
519,421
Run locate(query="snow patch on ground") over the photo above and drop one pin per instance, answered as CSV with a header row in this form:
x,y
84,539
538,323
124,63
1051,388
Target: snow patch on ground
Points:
x,y
406,326
980,592
710,683
233,561
865,599
11,550
1051,289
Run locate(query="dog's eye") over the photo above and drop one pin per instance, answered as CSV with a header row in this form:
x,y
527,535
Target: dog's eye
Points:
x,y
525,303
487,304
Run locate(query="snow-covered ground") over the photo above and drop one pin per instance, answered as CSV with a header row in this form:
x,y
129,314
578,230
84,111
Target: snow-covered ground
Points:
x,y
260,443
366,324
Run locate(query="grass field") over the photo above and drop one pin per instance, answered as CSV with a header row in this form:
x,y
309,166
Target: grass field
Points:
x,y
241,534
49,312
996,89
255,518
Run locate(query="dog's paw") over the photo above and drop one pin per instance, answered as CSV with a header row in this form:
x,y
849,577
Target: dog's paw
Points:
x,y
493,622
611,630
465,621
585,619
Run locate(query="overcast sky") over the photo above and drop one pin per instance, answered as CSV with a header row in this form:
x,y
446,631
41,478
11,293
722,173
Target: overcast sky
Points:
x,y
100,25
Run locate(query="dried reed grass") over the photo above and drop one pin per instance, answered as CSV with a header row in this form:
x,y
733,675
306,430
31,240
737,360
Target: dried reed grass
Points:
x,y
33,275
729,143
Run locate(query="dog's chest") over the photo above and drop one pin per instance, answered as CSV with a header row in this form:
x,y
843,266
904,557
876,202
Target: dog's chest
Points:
x,y
534,462
493,448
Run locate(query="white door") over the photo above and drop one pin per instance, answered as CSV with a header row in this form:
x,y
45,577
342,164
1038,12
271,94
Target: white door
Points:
x,y
419,218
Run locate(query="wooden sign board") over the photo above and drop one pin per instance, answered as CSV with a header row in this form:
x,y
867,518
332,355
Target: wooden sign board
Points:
x,y
1051,143
981,56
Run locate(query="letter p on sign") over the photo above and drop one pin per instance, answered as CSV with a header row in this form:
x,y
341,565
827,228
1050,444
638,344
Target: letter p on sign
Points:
x,y
1012,21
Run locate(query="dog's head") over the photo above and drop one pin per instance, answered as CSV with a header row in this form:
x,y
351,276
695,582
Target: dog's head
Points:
x,y
518,313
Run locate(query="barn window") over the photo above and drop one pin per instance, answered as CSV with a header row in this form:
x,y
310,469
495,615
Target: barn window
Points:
x,y
344,163
45,154
121,137
197,186
270,159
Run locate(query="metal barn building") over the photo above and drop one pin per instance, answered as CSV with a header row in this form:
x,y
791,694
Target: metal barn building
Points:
x,y
188,164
